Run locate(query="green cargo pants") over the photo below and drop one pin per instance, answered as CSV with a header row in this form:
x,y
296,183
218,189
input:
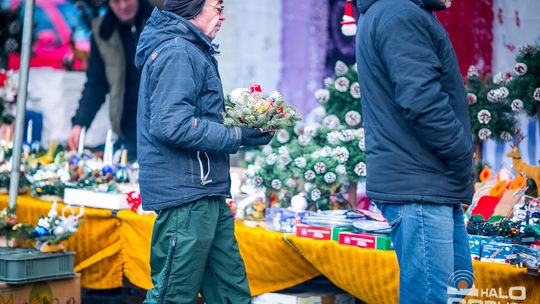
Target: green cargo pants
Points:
x,y
194,250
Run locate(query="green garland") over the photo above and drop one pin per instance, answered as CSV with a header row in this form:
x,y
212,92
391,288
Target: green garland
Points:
x,y
491,112
525,84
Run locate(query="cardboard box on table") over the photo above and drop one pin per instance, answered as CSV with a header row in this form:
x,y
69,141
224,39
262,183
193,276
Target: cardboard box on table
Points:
x,y
320,233
365,240
476,242
87,198
304,298
499,253
67,291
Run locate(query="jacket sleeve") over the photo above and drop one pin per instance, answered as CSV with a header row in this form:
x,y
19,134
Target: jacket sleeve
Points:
x,y
173,100
95,89
414,68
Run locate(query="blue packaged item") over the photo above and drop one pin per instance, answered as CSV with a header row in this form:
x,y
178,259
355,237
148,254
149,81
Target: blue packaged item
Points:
x,y
499,253
477,241
529,257
281,219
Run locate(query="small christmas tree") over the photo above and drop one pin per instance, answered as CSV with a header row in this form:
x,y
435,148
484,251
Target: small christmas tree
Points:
x,y
491,111
325,160
341,95
525,83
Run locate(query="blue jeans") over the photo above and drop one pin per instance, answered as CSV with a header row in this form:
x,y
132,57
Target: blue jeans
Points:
x,y
431,244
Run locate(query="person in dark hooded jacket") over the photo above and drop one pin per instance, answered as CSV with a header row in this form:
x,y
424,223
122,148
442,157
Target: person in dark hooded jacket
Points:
x,y
183,153
111,71
418,142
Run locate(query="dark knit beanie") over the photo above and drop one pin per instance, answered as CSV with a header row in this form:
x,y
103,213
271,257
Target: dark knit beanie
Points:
x,y
185,8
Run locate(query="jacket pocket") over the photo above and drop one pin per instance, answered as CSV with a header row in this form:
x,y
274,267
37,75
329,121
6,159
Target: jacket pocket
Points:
x,y
392,213
213,167
213,100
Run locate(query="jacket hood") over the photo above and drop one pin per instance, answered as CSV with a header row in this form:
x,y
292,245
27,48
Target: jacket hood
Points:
x,y
430,5
163,26
363,5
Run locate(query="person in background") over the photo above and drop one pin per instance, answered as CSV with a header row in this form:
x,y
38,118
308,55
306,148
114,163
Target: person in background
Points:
x,y
419,144
183,154
111,70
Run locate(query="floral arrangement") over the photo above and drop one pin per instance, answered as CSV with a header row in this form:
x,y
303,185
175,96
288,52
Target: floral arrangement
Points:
x,y
491,111
69,170
54,228
525,83
5,178
254,108
8,219
11,228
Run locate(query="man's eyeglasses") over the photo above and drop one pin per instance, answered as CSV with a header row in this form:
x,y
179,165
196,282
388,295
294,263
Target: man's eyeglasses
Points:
x,y
218,9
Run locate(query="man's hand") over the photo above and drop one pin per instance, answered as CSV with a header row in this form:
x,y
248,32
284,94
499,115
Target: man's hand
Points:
x,y
74,137
255,137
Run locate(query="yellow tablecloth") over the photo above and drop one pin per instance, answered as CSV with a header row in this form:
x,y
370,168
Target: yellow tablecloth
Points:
x,y
109,247
373,275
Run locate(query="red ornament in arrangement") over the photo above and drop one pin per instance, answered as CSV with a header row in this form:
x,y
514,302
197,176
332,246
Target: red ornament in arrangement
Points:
x,y
255,88
134,200
3,78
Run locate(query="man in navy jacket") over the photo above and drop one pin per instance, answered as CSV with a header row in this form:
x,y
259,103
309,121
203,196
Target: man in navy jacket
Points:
x,y
183,153
418,141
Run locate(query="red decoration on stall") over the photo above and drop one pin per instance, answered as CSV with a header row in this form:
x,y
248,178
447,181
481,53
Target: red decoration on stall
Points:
x,y
486,206
255,88
470,27
134,200
3,78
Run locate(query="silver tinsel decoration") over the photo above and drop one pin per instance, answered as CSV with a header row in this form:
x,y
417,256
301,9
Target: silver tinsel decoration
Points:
x,y
342,84
319,168
520,69
315,194
471,98
353,118
341,170
484,116
517,105
341,154
341,68
322,95
484,134
506,136
330,177
355,90
360,169
473,72
300,162
276,184
309,175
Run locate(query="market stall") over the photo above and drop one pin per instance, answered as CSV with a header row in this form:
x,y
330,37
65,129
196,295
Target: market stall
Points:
x,y
111,245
